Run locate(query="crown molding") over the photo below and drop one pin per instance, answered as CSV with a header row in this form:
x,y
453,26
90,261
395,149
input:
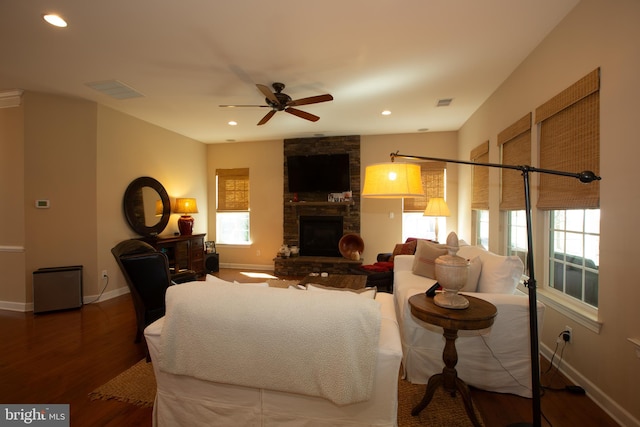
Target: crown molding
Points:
x,y
10,98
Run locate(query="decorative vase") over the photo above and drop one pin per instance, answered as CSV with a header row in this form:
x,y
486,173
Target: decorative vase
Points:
x,y
185,225
451,272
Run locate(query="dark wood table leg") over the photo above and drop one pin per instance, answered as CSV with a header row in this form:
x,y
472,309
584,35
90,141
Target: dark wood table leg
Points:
x,y
434,382
448,379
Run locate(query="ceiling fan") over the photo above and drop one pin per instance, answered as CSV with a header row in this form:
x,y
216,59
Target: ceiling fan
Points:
x,y
279,101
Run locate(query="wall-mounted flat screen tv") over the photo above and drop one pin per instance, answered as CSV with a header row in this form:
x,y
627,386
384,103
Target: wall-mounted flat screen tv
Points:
x,y
320,172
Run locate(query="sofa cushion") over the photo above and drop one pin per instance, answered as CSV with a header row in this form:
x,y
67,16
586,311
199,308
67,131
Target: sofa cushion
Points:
x,y
499,274
424,260
475,268
408,248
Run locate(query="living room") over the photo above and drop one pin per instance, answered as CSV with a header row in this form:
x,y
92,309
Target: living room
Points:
x,y
82,155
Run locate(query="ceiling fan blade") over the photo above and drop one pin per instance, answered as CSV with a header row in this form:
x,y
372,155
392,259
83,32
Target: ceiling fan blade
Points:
x,y
233,106
311,100
266,118
302,114
267,92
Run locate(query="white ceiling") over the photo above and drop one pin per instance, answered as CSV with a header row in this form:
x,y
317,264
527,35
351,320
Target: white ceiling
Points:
x,y
189,56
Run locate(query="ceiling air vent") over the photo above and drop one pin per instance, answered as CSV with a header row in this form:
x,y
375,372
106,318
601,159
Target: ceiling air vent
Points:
x,y
444,102
115,89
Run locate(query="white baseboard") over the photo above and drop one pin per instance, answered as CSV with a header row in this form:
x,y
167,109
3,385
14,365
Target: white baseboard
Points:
x,y
16,306
87,299
615,411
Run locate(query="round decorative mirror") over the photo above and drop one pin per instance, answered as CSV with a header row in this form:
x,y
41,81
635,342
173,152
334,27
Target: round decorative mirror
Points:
x,y
146,206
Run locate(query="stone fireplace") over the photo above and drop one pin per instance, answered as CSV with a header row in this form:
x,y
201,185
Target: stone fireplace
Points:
x,y
313,210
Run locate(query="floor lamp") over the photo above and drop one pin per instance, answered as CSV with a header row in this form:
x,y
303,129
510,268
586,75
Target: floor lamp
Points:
x,y
586,177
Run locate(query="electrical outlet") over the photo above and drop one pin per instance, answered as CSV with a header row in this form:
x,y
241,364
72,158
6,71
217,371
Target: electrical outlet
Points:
x,y
258,253
567,332
104,274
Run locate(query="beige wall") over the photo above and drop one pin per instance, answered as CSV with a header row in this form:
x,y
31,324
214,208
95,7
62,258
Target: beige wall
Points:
x,y
129,148
595,34
60,163
265,160
12,229
379,231
81,157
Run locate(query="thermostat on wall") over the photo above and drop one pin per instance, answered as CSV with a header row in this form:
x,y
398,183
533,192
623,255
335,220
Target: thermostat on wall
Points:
x,y
42,204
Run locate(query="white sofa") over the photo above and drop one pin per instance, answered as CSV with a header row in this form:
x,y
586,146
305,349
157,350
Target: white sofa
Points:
x,y
284,317
495,359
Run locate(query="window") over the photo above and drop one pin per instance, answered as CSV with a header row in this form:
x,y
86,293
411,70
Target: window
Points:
x,y
481,226
517,236
232,211
574,253
414,223
570,141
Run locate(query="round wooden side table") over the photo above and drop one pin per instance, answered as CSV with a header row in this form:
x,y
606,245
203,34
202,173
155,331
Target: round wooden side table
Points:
x,y
479,315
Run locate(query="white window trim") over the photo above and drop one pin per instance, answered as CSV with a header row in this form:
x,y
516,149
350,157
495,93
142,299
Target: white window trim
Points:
x,y
575,310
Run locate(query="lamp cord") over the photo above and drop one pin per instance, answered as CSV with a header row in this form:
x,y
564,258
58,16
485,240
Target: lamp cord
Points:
x,y
101,292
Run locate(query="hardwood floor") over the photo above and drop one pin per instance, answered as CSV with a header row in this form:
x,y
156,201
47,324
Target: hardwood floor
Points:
x,y
61,357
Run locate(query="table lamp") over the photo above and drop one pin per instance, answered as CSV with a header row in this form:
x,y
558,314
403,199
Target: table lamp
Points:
x,y
186,206
437,207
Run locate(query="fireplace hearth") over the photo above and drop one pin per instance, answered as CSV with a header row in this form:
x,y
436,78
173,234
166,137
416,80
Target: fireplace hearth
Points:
x,y
320,235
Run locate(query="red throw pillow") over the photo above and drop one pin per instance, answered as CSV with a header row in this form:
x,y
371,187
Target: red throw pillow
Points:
x,y
408,248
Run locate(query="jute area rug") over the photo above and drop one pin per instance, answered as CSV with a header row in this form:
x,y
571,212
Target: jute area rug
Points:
x,y
137,385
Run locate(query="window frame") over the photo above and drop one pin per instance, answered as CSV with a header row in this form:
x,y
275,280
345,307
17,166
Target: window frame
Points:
x,y
243,216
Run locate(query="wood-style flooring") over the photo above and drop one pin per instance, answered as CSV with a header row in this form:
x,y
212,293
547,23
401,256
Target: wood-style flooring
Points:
x,y
61,357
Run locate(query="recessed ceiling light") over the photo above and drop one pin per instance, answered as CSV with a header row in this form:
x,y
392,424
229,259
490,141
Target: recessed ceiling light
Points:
x,y
55,20
232,123
386,113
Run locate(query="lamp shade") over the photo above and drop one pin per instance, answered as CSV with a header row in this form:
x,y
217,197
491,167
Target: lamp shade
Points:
x,y
392,180
186,206
437,207
159,207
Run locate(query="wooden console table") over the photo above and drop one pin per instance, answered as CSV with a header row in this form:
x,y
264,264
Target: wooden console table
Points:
x,y
479,315
183,252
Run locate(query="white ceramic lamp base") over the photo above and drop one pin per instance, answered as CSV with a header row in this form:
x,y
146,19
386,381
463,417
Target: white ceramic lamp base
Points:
x,y
451,300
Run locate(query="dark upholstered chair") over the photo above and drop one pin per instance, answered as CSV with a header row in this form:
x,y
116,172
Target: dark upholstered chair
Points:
x,y
147,274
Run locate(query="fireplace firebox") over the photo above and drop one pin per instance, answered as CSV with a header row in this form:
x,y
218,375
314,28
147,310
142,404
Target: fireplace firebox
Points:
x,y
320,235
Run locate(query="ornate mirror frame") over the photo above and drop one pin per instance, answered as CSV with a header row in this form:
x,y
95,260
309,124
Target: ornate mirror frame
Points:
x,y
134,205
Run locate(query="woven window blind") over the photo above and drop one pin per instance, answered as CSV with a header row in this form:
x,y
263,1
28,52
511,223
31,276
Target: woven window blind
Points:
x,y
515,142
233,189
480,177
432,174
570,141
